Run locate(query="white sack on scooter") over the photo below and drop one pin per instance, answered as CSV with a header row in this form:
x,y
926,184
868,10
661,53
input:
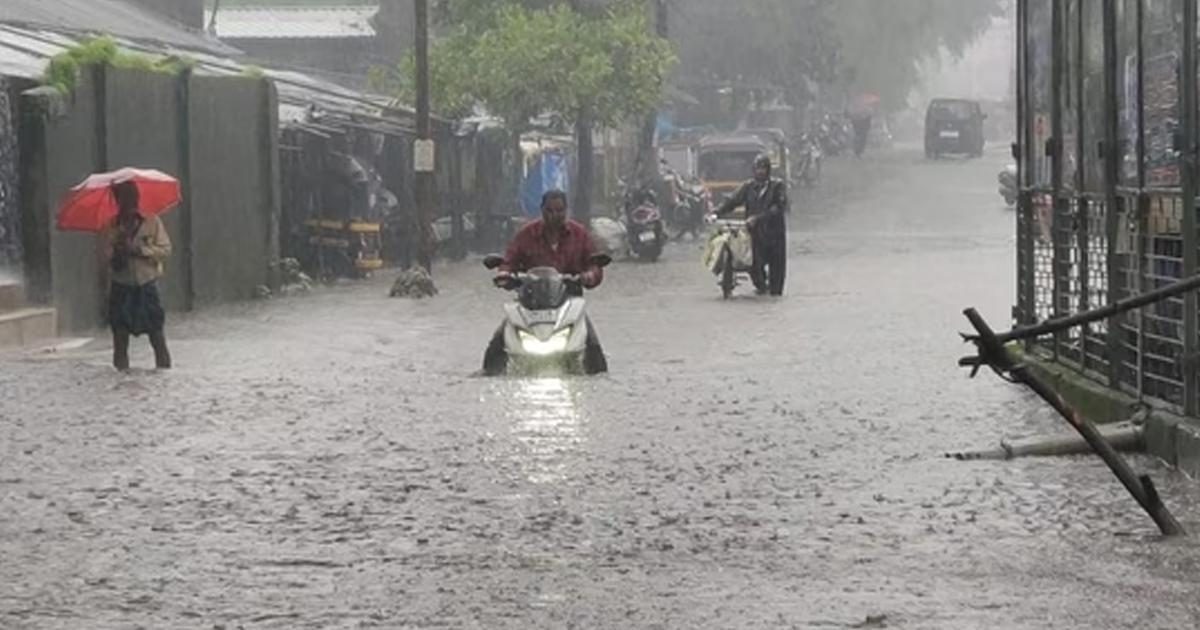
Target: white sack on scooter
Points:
x,y
740,246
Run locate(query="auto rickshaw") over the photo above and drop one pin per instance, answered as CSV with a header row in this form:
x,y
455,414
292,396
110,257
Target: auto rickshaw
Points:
x,y
777,147
727,161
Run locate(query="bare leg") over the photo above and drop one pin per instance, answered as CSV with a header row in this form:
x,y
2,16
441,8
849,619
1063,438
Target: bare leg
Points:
x,y
121,350
162,357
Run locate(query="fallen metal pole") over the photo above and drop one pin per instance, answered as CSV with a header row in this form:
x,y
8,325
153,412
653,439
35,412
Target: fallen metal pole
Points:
x,y
1125,437
1116,308
993,353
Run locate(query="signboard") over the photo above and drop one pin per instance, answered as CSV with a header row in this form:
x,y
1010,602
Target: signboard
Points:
x,y
423,156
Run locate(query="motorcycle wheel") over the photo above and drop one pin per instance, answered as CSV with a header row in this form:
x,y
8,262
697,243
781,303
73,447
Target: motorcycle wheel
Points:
x,y
652,251
728,282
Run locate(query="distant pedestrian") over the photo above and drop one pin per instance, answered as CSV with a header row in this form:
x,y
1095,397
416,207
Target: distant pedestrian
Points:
x,y
135,248
862,132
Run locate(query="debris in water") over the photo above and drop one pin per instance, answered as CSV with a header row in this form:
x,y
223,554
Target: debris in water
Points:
x,y
292,280
414,283
873,621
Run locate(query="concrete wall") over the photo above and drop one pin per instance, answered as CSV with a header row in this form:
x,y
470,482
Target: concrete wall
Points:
x,y
217,135
142,114
60,146
233,206
10,210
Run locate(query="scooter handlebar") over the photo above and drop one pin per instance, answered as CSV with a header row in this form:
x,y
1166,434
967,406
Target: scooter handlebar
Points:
x,y
514,281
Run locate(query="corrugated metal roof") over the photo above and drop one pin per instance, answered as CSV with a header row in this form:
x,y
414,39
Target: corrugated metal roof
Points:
x,y
106,16
295,22
25,51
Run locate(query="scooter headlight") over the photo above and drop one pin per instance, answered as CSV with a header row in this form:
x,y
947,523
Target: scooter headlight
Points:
x,y
554,345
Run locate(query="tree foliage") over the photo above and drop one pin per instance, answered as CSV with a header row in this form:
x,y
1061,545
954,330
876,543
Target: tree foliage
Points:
x,y
522,59
63,70
884,43
867,45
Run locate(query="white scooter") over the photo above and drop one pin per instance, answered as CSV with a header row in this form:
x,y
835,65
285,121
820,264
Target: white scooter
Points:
x,y
547,328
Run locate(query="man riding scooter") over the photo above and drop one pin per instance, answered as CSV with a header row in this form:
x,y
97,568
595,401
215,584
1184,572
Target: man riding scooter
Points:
x,y
766,203
556,242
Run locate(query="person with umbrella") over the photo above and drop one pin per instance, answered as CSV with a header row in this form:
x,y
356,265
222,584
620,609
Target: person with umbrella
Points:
x,y
135,247
123,208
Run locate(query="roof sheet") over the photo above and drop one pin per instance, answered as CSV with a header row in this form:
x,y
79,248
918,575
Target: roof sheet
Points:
x,y
735,142
106,16
25,51
295,22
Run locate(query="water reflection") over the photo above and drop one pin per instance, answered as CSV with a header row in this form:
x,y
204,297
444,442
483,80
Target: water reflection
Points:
x,y
546,422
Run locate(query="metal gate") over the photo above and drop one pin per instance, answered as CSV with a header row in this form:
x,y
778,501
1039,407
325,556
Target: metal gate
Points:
x,y
1107,146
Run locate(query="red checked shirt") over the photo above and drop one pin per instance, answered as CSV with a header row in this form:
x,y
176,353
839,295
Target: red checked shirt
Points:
x,y
571,255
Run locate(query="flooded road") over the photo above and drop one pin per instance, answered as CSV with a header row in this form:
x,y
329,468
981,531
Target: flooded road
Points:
x,y
329,462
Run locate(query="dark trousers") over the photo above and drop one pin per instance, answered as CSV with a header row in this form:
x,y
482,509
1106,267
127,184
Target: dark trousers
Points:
x,y
132,311
770,263
862,131
158,341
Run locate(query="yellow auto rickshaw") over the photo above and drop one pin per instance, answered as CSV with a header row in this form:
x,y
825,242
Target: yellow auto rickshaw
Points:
x,y
727,161
777,147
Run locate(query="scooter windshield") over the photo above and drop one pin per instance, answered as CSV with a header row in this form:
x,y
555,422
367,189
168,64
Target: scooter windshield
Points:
x,y
544,290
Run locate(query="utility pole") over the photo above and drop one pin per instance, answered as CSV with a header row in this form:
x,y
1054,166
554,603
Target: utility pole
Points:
x,y
647,160
585,150
423,149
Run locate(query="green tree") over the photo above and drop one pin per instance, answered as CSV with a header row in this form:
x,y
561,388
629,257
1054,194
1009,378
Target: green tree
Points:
x,y
590,65
882,44
869,45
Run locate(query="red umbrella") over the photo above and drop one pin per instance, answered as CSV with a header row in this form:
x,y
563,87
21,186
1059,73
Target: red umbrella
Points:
x,y
91,206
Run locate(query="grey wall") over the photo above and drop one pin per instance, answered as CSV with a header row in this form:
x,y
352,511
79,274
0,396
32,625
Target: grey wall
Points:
x,y
142,114
10,210
217,135
59,147
231,186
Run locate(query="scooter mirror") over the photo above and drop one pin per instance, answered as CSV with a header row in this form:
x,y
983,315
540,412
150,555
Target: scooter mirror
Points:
x,y
602,260
492,261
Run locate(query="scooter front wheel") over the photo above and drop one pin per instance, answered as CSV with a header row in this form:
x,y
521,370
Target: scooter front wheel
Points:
x,y
651,252
728,281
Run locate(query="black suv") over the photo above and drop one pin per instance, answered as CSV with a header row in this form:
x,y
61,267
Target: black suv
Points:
x,y
953,126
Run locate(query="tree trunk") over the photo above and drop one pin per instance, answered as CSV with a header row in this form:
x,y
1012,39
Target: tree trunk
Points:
x,y
585,162
647,161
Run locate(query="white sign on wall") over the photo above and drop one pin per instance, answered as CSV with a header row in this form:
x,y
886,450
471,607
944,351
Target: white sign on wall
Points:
x,y
423,156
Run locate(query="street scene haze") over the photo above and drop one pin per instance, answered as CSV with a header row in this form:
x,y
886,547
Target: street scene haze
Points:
x,y
599,314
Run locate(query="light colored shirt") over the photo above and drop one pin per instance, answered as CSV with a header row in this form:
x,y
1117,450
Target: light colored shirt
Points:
x,y
148,249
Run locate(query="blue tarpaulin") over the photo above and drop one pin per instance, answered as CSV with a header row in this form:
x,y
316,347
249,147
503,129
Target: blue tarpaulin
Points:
x,y
550,170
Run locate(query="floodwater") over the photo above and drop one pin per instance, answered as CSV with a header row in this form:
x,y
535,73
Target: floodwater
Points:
x,y
329,462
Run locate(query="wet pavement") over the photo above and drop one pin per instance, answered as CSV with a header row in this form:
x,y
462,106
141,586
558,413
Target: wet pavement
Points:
x,y
329,462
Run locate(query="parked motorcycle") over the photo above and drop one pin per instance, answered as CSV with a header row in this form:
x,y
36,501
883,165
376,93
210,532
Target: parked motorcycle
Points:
x,y
691,203
836,135
547,328
644,226
694,203
807,164
1008,184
